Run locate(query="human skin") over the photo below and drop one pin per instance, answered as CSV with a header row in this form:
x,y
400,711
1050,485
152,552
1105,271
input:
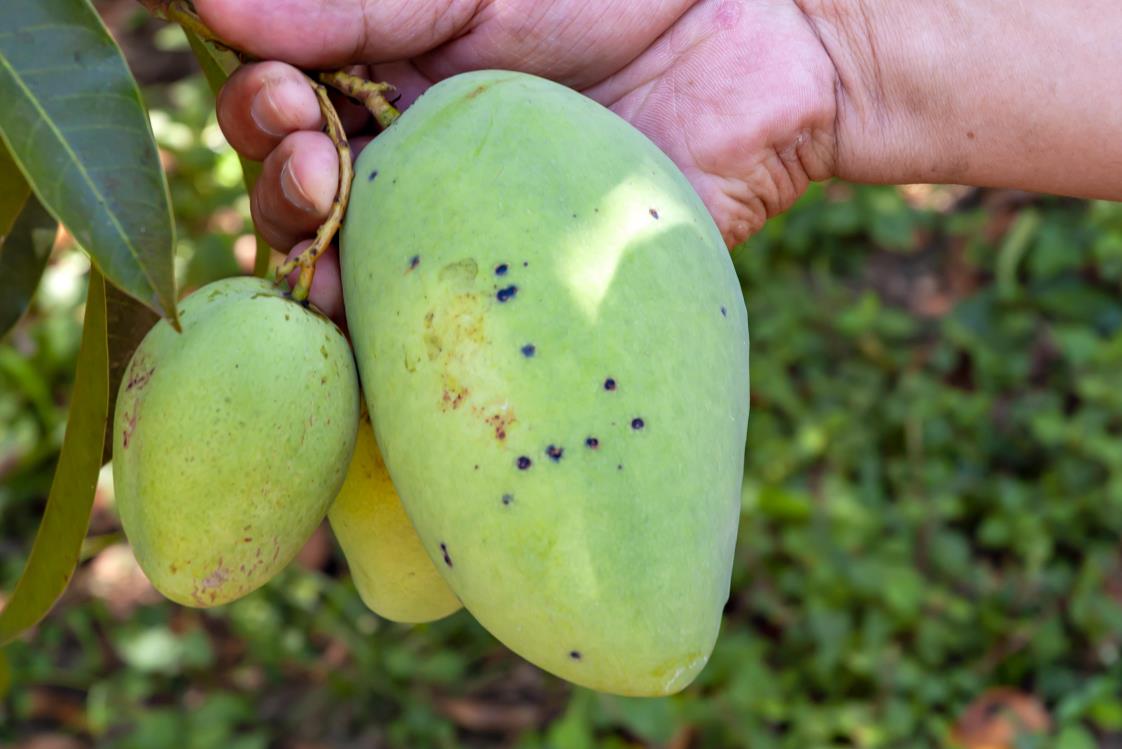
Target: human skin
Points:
x,y
752,99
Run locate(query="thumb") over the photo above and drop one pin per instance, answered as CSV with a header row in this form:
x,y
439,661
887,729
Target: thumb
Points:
x,y
317,34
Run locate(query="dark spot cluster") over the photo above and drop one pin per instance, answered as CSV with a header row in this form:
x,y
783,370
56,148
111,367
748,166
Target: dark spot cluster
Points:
x,y
504,295
555,452
447,556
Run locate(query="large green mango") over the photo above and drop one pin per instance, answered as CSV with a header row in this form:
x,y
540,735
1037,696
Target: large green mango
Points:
x,y
554,348
231,439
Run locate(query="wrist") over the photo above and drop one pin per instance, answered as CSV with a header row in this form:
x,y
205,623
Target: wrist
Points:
x,y
886,58
986,94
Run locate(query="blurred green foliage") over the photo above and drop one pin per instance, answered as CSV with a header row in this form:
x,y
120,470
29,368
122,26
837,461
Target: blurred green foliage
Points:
x,y
932,507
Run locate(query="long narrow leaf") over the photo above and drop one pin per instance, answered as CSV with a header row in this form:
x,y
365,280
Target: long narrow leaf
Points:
x,y
13,192
72,117
5,675
58,543
22,259
127,322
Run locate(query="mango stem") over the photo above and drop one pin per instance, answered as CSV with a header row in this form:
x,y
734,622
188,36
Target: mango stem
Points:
x,y
368,93
306,260
183,13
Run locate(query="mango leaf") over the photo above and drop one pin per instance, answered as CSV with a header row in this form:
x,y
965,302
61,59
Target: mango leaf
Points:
x,y
127,322
5,675
217,65
74,122
58,543
22,259
13,192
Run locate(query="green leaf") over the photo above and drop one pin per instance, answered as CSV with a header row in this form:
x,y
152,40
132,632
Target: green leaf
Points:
x,y
574,728
1075,737
1016,244
127,322
22,259
58,542
73,120
217,65
13,192
5,674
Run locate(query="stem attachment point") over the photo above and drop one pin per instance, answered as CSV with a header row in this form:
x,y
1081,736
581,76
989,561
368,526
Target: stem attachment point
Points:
x,y
306,260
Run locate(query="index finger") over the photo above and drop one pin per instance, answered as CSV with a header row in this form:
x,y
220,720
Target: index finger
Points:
x,y
315,34
262,103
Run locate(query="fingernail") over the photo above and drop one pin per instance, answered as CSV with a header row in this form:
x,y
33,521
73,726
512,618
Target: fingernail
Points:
x,y
292,188
260,108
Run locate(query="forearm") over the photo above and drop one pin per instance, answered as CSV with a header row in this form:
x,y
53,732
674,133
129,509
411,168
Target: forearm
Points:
x,y
982,92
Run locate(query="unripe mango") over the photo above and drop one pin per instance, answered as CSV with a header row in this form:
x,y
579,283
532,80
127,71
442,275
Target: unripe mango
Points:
x,y
231,439
394,576
554,349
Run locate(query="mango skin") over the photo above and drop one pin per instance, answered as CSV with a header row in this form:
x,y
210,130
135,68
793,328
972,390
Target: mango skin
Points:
x,y
554,349
393,574
231,439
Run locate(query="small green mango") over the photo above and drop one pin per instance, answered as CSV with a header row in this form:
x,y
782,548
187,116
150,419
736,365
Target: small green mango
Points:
x,y
231,439
554,349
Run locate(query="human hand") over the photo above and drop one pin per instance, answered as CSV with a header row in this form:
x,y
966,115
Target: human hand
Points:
x,y
740,94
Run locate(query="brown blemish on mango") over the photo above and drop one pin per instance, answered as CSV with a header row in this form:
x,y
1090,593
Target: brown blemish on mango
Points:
x,y
500,422
432,340
461,272
410,366
126,433
453,335
139,379
453,399
216,578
